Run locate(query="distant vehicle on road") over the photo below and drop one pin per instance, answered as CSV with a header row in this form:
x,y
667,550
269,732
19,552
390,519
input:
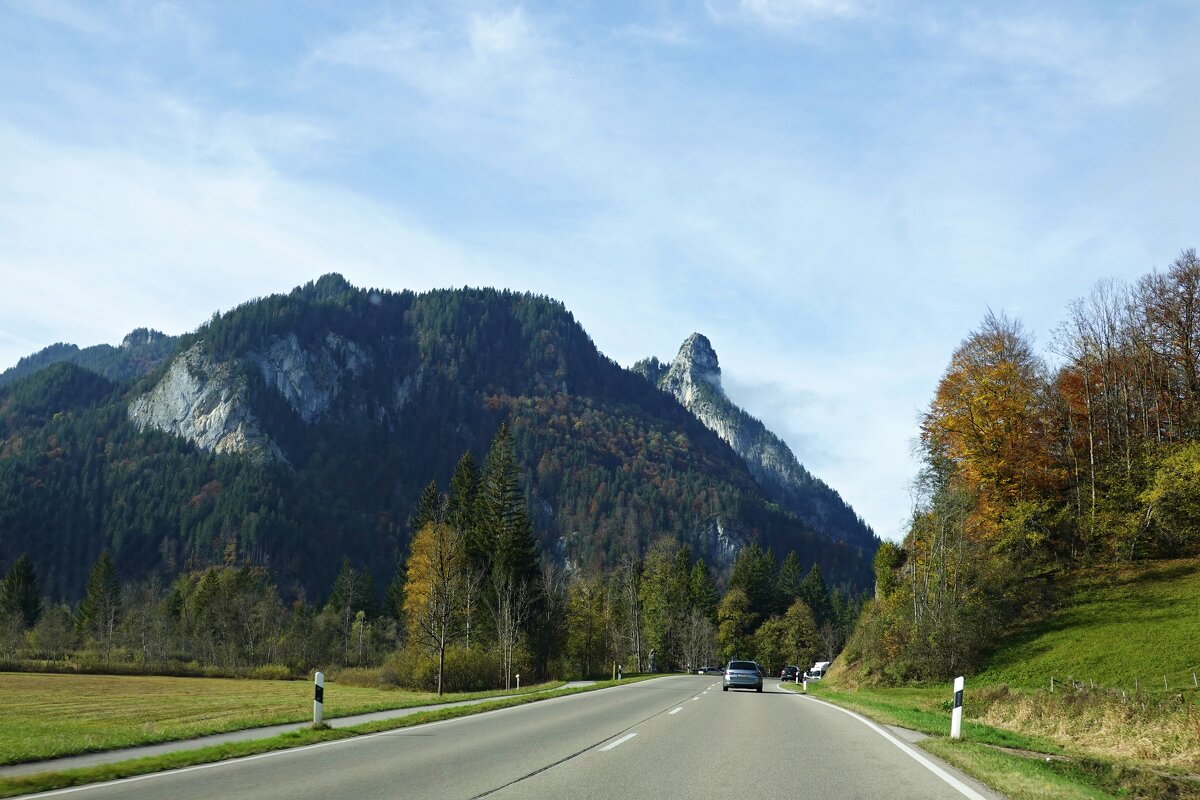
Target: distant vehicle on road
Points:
x,y
710,670
742,675
789,673
817,671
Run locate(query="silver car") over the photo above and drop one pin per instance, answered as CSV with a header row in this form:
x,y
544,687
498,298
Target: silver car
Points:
x,y
742,675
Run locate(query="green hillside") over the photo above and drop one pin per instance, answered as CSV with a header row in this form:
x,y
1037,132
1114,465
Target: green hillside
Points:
x,y
1112,625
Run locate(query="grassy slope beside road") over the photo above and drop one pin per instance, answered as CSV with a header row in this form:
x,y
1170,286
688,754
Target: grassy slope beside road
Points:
x,y
48,716
1113,625
1139,621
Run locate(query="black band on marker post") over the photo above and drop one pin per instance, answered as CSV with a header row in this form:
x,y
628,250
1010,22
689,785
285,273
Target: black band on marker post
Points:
x,y
319,694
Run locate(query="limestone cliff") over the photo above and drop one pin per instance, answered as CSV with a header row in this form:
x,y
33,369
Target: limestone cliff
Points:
x,y
694,379
204,402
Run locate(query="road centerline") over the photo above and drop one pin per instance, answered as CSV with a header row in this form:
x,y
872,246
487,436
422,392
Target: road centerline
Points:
x,y
675,710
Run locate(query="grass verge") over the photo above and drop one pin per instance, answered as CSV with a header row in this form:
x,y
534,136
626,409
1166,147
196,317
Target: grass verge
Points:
x,y
50,716
46,781
1020,765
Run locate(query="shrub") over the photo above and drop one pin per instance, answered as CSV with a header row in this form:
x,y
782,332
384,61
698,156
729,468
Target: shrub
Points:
x,y
466,670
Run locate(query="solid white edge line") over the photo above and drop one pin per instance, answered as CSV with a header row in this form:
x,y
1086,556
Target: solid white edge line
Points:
x,y
617,743
955,783
233,762
675,710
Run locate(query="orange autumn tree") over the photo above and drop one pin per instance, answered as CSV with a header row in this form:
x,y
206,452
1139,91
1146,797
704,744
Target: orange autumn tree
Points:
x,y
989,424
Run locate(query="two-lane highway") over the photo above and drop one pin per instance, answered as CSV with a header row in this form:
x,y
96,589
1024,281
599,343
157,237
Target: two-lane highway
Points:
x,y
677,736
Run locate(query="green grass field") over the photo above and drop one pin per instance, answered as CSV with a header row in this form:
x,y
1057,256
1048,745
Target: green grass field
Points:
x,y
47,716
45,781
1114,626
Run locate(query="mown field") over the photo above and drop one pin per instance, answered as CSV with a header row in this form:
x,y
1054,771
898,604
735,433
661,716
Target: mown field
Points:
x,y
47,716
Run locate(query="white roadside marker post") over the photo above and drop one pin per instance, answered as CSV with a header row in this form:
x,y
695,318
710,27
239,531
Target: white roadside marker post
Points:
x,y
956,714
518,681
318,698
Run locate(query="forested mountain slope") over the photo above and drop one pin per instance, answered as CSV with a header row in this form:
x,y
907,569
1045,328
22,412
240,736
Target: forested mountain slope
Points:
x,y
297,429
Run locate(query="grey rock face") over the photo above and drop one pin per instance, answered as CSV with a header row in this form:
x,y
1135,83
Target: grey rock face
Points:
x,y
204,402
694,379
311,380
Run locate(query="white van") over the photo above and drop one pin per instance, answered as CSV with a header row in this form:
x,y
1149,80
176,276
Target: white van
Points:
x,y
817,671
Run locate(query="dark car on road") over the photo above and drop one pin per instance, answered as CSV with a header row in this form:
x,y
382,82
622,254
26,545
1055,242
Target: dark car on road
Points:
x,y
789,673
742,675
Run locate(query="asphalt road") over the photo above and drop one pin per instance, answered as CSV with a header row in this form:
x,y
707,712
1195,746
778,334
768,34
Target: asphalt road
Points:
x,y
677,736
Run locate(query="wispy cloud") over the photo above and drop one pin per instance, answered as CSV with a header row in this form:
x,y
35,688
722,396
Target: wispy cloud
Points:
x,y
1101,61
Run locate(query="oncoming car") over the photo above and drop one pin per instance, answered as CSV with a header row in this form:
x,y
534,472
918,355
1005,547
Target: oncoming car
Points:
x,y
742,675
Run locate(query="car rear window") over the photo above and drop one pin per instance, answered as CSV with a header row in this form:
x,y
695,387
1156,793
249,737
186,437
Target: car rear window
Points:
x,y
747,665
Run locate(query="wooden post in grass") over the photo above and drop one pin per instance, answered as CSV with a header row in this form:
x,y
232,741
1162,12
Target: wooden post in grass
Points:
x,y
956,714
318,698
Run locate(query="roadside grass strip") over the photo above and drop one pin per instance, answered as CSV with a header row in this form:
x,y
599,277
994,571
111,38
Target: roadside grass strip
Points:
x,y
1020,766
56,715
48,781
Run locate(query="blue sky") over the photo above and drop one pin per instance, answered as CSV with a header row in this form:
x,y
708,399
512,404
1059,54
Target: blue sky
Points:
x,y
834,191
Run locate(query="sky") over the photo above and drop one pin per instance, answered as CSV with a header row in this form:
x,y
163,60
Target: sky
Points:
x,y
835,192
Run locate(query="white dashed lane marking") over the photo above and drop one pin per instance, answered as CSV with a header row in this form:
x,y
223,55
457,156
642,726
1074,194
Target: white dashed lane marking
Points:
x,y
617,743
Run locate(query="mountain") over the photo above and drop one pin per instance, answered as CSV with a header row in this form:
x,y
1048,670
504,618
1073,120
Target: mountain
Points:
x,y
694,379
299,429
142,350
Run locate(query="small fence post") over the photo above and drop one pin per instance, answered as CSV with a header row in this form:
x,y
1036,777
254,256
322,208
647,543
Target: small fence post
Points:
x,y
318,698
956,714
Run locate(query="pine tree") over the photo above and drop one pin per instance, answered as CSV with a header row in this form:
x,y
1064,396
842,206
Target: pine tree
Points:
x,y
815,594
504,523
703,590
101,607
430,508
19,593
353,591
393,601
754,573
462,508
791,579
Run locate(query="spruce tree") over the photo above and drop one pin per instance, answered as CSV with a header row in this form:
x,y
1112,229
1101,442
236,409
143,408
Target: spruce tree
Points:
x,y
791,580
814,592
19,595
430,508
505,528
703,590
462,505
101,607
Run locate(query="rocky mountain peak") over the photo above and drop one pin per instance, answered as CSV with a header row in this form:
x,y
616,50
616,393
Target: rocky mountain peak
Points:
x,y
697,355
694,373
694,379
